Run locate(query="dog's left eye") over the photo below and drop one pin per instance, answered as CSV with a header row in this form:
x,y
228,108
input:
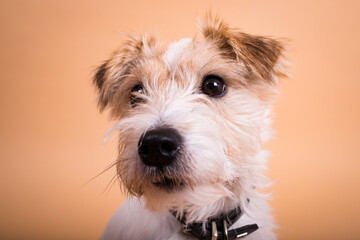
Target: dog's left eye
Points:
x,y
213,86
138,88
133,99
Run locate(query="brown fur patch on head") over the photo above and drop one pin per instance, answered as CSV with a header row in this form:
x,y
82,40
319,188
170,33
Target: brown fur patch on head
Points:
x,y
110,75
259,54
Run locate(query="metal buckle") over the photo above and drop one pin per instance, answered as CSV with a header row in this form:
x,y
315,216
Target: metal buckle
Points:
x,y
225,230
241,235
214,231
186,229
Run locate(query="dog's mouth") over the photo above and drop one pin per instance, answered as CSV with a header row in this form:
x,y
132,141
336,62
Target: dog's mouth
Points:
x,y
169,184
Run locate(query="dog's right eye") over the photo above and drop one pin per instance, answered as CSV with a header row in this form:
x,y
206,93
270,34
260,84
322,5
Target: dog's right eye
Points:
x,y
213,86
133,99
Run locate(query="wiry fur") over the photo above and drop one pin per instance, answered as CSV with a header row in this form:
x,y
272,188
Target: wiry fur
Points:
x,y
222,160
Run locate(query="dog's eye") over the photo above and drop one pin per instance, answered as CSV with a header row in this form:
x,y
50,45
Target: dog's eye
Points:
x,y
213,86
138,88
133,99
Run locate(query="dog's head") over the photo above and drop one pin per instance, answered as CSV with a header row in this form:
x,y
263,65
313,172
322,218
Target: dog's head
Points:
x,y
192,116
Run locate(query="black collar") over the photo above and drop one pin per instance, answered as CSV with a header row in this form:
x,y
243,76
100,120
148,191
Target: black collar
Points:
x,y
217,228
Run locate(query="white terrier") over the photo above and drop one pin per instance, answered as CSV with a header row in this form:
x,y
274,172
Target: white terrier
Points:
x,y
192,119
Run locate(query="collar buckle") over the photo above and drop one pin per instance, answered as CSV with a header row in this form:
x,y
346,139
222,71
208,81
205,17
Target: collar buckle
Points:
x,y
241,235
214,231
186,229
217,228
226,236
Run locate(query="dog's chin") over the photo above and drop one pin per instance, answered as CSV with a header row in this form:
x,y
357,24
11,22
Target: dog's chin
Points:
x,y
169,184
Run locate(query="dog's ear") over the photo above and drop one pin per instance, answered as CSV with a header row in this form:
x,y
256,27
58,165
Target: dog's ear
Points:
x,y
260,55
110,75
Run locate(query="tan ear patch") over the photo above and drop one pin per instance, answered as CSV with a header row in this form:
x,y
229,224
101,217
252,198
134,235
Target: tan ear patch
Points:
x,y
109,76
259,54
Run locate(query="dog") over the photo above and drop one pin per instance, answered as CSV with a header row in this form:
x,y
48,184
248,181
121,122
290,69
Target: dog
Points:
x,y
192,118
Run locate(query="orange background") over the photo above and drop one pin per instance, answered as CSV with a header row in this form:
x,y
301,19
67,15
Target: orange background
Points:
x,y
51,131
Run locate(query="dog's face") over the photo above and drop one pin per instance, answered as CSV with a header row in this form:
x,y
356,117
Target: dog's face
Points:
x,y
191,116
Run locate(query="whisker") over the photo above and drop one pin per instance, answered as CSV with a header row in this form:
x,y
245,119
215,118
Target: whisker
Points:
x,y
210,61
102,172
110,184
113,128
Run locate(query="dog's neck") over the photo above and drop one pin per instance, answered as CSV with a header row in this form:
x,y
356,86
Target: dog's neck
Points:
x,y
196,213
199,203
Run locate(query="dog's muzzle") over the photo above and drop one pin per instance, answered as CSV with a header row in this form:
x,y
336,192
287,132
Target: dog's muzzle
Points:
x,y
159,147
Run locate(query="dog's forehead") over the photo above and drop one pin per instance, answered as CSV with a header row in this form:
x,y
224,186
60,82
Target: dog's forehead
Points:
x,y
174,51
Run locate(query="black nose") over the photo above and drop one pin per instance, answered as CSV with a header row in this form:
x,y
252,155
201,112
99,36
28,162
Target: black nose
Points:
x,y
159,147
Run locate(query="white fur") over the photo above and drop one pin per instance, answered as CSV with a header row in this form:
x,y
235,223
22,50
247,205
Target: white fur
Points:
x,y
174,51
224,160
